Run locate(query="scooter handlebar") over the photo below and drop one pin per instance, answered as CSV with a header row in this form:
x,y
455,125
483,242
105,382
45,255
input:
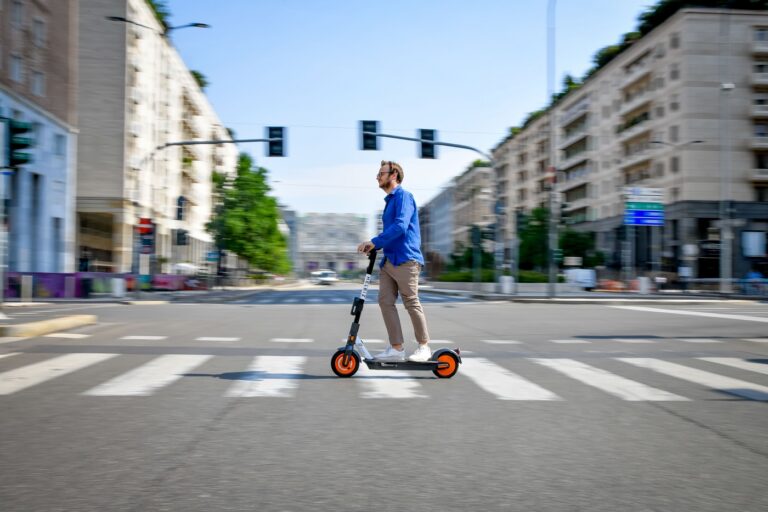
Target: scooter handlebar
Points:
x,y
371,261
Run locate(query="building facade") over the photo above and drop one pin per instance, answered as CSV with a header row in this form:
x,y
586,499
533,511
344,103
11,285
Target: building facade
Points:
x,y
38,81
684,109
137,95
329,241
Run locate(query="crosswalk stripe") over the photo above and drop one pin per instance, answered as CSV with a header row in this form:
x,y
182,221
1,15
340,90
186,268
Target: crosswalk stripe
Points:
x,y
149,377
621,387
208,338
9,355
67,335
710,380
738,363
699,340
149,338
292,340
501,382
37,373
270,376
757,340
502,342
387,384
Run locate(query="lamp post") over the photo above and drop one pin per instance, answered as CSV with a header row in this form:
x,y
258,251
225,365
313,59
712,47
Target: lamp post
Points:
x,y
552,227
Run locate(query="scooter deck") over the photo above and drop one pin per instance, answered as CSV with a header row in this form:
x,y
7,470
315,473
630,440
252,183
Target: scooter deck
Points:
x,y
375,364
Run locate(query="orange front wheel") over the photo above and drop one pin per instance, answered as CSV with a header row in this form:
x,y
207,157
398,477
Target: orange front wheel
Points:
x,y
448,365
345,370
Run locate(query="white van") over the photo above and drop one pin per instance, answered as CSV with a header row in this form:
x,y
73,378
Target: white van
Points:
x,y
323,277
585,278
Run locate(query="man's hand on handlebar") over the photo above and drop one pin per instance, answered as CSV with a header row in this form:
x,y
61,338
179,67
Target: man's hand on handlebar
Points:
x,y
366,247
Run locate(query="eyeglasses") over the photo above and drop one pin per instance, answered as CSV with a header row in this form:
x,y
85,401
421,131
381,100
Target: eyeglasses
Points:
x,y
390,171
382,173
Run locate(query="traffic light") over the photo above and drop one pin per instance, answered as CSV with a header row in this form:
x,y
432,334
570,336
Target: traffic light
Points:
x,y
182,237
147,235
368,139
276,144
17,142
180,207
426,149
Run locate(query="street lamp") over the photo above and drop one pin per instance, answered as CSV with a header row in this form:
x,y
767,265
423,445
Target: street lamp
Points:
x,y
164,32
552,228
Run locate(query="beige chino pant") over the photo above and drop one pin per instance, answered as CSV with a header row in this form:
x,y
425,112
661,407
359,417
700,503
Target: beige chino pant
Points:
x,y
402,279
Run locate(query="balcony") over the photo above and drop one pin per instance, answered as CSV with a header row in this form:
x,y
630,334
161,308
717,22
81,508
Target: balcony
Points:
x,y
574,137
759,142
634,104
760,79
634,131
574,114
759,175
760,48
576,180
637,158
636,75
760,111
574,160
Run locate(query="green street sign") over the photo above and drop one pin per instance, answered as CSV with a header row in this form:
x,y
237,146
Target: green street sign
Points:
x,y
643,206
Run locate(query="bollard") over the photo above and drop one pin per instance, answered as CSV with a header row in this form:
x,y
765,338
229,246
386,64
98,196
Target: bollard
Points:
x,y
27,288
118,287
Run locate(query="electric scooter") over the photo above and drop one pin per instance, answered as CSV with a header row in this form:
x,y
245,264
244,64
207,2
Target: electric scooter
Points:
x,y
345,362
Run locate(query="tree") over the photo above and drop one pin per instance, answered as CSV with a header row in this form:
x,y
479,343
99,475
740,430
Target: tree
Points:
x,y
533,240
246,218
161,11
200,78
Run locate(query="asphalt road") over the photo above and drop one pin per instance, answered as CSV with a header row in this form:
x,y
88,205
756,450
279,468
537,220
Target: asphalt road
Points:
x,y
202,407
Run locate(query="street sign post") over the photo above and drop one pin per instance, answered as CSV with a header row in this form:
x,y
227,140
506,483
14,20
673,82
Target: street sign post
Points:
x,y
643,206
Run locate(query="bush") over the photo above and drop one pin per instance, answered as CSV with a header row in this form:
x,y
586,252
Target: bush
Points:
x,y
466,276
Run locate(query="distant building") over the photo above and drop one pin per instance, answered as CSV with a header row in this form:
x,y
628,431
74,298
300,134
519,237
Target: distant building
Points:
x,y
329,241
684,109
436,219
38,81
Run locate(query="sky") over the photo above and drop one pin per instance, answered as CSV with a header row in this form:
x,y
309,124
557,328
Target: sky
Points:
x,y
468,69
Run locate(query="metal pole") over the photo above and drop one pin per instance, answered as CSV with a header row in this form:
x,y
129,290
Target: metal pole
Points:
x,y
552,236
726,234
3,231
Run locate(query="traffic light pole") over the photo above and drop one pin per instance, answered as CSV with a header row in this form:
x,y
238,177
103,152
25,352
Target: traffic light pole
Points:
x,y
498,246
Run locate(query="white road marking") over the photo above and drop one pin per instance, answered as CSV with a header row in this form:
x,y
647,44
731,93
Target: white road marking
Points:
x,y
37,373
502,342
270,376
365,340
149,377
67,335
694,313
757,340
9,354
208,338
387,384
570,341
441,342
150,338
621,387
501,382
292,340
738,363
707,379
699,340
632,340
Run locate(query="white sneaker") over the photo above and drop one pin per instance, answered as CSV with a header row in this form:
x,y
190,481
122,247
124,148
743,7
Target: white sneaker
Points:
x,y
421,354
391,354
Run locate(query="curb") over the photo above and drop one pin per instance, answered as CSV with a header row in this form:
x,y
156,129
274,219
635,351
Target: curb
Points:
x,y
143,302
46,326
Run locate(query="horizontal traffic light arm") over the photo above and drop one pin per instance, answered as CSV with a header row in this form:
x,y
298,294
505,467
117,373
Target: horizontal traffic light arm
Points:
x,y
433,142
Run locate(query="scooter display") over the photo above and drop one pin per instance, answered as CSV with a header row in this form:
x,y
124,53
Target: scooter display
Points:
x,y
444,362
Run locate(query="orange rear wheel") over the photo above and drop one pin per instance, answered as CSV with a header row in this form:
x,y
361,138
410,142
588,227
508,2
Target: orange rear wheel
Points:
x,y
448,366
345,370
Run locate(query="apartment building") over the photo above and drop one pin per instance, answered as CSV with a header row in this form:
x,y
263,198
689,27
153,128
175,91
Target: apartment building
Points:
x,y
136,94
684,109
329,241
473,198
38,80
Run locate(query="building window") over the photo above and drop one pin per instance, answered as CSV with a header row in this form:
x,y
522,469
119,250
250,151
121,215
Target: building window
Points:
x,y
660,111
38,31
16,71
659,171
674,133
675,197
674,71
17,13
59,145
674,164
674,41
761,66
761,34
38,83
761,130
674,103
761,194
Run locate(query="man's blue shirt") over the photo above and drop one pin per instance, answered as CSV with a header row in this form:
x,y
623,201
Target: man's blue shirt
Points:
x,y
401,238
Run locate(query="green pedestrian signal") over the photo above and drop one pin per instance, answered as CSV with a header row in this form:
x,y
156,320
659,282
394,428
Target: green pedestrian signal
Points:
x,y
426,149
17,143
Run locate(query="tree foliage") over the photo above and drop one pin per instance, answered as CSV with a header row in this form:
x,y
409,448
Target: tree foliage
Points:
x,y
533,240
200,78
161,11
246,219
